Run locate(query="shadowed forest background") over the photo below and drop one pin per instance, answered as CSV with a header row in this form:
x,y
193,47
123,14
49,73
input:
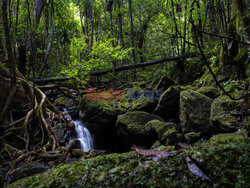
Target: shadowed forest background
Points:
x,y
168,79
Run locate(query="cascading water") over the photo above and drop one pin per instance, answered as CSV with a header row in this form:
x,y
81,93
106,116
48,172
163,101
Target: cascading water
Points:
x,y
83,135
80,134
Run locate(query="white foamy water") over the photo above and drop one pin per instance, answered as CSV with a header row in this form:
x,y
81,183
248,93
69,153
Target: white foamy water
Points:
x,y
81,134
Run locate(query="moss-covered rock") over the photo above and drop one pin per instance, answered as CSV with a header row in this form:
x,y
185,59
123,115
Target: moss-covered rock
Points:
x,y
168,105
65,102
227,164
210,92
131,128
224,138
221,114
191,137
164,83
166,132
195,111
144,103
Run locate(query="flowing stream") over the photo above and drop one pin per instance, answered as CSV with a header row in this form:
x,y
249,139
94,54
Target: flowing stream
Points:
x,y
81,134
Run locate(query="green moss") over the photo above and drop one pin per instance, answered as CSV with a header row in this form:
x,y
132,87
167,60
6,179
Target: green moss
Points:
x,y
210,92
228,165
164,83
221,110
134,122
207,79
167,106
195,111
224,138
192,137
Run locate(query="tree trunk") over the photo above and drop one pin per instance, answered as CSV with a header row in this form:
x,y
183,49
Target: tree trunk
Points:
x,y
22,59
86,21
120,25
11,63
49,45
132,37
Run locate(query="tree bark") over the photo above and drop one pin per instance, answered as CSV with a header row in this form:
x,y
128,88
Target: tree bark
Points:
x,y
49,45
120,24
132,37
10,61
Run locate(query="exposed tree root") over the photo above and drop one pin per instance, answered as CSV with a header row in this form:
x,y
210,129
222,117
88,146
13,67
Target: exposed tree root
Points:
x,y
37,120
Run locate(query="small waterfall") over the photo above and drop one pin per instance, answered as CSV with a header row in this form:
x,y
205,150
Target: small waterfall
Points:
x,y
83,135
80,134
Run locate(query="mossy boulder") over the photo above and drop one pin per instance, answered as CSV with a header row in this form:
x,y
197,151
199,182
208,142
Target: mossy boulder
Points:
x,y
166,132
164,83
102,112
224,138
210,92
192,137
168,105
144,103
132,130
227,164
65,102
195,112
221,114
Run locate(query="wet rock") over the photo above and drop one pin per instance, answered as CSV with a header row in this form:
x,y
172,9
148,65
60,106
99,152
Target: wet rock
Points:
x,y
59,132
195,112
65,102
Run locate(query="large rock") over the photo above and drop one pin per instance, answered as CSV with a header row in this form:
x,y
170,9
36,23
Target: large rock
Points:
x,y
164,83
221,114
132,130
28,169
210,92
101,112
144,103
166,132
168,105
59,132
195,112
65,102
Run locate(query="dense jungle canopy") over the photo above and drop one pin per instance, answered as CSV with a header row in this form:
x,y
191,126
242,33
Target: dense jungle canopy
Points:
x,y
84,82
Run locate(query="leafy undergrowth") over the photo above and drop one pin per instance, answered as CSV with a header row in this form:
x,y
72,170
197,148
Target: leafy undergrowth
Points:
x,y
227,164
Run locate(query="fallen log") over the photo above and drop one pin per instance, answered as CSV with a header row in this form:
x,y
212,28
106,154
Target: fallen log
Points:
x,y
117,69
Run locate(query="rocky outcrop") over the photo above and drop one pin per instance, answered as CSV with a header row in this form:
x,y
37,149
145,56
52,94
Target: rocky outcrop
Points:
x,y
195,112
